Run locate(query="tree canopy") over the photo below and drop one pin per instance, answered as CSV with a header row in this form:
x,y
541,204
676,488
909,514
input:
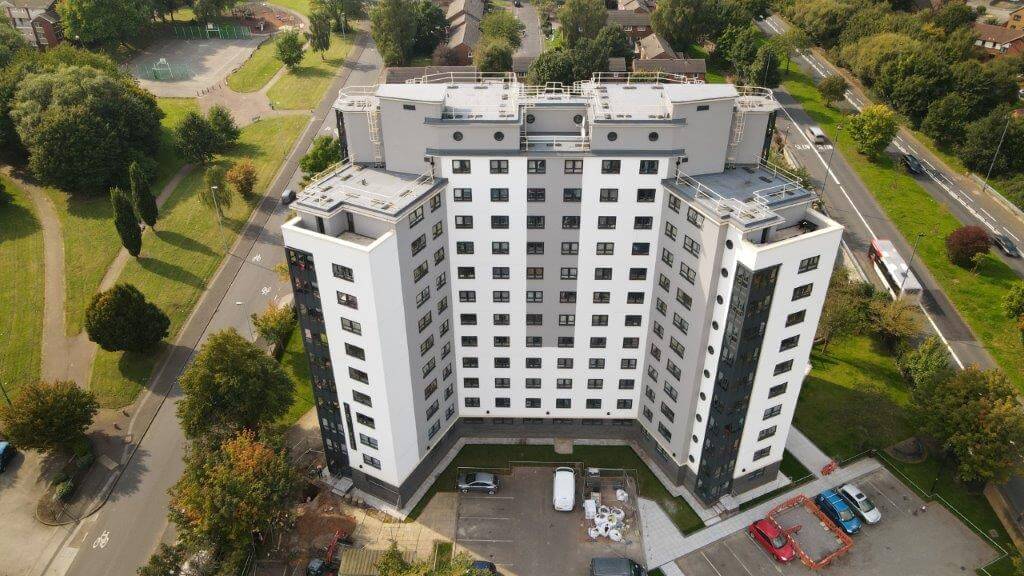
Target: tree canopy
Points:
x,y
393,30
110,22
431,26
324,152
48,416
288,48
581,19
122,319
872,129
493,55
503,25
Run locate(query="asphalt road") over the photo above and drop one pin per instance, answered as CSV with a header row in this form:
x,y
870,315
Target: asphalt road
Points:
x,y
967,203
123,534
533,40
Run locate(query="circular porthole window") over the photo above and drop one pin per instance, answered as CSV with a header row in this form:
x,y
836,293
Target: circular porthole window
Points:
x,y
457,136
530,119
578,119
725,273
703,396
691,459
707,374
695,438
711,349
728,244
653,136
499,136
612,136
714,324
719,299
698,417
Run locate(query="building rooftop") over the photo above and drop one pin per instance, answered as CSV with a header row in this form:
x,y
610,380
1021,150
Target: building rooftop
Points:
x,y
680,66
997,34
654,46
363,188
629,18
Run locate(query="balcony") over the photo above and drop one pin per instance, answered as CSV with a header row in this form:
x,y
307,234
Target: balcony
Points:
x,y
555,143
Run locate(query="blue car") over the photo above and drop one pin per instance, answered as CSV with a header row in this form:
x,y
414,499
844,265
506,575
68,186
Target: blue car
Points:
x,y
7,453
838,511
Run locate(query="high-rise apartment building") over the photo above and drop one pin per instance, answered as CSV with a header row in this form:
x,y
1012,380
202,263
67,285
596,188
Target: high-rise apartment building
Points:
x,y
615,260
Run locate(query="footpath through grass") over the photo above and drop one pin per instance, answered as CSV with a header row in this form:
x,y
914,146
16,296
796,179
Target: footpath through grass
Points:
x,y
854,400
913,211
297,367
257,70
90,240
304,87
21,291
499,456
178,260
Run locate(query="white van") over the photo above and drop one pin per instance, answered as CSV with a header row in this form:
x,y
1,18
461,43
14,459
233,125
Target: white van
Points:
x,y
817,136
564,489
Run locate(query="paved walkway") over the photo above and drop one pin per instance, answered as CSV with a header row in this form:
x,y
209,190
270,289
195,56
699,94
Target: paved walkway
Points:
x,y
806,452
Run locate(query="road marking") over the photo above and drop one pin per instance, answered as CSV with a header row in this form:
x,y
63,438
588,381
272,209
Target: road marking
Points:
x,y
708,560
489,497
744,566
884,495
265,290
257,257
503,541
483,518
102,540
1011,233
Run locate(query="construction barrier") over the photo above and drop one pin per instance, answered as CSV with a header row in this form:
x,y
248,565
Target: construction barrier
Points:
x,y
845,542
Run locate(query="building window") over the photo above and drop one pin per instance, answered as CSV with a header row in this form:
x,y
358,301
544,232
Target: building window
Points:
x,y
568,273
691,245
535,195
689,274
499,222
767,433
777,390
343,272
467,296
462,194
499,166
470,382
641,248
565,342
570,222
535,222
633,319
466,272
627,384
355,351
599,320
419,244
772,412
643,223
362,398
533,402
625,404
684,299
416,217
670,230
467,319
665,432
570,248
694,217
499,247
351,326
420,271
348,300
610,166
703,107
502,402
499,194
648,166
674,203
783,367
371,461
563,403
438,229
667,257
534,247
566,319
365,420
609,195
645,195
638,273
594,403
463,222
500,297
808,264
563,384
763,452
572,194
534,319
536,166
606,222
795,318
534,296
501,319
368,441
602,273
574,166
500,273
789,343
605,248
464,248
471,402
635,298
802,291
460,167
534,273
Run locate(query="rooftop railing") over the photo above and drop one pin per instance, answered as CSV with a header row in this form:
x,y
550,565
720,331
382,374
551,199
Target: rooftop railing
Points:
x,y
752,211
464,77
555,143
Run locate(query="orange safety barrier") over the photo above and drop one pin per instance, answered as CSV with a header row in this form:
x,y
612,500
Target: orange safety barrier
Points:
x,y
829,468
815,564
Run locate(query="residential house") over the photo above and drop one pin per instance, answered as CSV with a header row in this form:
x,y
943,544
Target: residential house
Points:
x,y
1016,21
36,20
521,65
639,6
473,9
999,40
691,67
636,24
462,37
654,46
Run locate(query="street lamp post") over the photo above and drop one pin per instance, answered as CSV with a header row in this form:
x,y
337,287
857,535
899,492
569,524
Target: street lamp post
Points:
x,y
998,148
828,168
912,254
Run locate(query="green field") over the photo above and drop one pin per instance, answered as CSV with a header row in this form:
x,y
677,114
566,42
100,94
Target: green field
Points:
x,y
178,260
21,291
498,456
90,241
913,211
296,366
257,70
304,87
301,6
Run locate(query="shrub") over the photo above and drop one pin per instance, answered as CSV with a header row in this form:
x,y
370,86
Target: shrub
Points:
x,y
64,490
964,243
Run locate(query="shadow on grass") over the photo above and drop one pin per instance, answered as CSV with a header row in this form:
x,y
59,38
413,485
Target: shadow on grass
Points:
x,y
171,272
182,241
18,221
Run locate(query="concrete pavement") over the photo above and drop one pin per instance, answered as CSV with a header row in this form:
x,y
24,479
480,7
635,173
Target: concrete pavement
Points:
x,y
123,534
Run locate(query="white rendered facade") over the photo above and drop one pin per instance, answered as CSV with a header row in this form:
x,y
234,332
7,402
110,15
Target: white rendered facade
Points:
x,y
588,251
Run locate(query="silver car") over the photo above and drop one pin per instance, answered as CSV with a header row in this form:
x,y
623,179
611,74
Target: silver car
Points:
x,y
478,482
860,503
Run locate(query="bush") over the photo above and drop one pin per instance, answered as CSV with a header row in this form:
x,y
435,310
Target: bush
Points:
x,y
242,177
121,319
64,491
964,243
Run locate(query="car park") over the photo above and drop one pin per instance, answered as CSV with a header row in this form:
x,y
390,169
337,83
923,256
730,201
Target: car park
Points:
x,y
563,496
861,504
615,567
772,539
1005,245
478,482
7,453
838,511
912,164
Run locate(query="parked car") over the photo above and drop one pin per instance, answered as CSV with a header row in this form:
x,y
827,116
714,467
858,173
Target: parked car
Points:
x,y
1005,245
861,504
517,4
482,567
288,197
7,453
774,541
478,482
913,165
615,567
838,511
564,489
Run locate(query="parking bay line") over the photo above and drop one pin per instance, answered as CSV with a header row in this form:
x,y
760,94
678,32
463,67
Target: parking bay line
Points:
x,y
483,518
744,566
503,541
488,497
884,495
710,563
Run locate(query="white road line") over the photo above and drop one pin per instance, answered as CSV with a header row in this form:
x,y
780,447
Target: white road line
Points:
x,y
884,495
488,497
1011,234
503,541
708,560
986,213
483,518
943,338
744,566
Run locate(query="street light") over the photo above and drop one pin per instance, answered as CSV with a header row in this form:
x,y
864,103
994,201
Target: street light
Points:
x,y
998,147
828,168
912,254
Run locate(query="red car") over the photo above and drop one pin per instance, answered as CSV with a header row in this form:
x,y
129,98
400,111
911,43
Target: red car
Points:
x,y
772,539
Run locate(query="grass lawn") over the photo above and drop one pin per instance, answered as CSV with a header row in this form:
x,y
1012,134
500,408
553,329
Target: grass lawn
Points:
x,y
178,260
304,87
498,456
21,292
257,70
297,367
301,6
713,75
90,240
914,211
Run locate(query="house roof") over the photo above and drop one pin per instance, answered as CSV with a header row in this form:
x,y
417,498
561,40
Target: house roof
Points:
x,y
682,66
617,64
467,33
654,45
30,4
634,5
474,8
997,34
628,18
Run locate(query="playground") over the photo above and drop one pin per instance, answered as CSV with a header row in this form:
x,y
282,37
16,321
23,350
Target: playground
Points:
x,y
184,68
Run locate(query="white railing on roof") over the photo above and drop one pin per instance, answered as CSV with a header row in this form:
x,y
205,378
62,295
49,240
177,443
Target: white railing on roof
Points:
x,y
464,77
754,98
555,143
642,77
753,210
363,97
322,192
552,89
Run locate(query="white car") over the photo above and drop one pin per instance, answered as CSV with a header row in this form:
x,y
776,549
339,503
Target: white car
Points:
x,y
564,489
860,503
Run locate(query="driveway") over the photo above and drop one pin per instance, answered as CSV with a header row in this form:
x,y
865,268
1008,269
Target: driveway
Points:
x,y
533,41
27,544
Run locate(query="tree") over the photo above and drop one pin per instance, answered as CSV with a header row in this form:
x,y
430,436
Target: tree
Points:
x,y
895,321
195,138
764,70
110,120
125,222
493,55
964,242
288,46
121,319
48,416
925,367
324,153
978,147
207,10
833,89
393,30
503,25
391,563
551,66
873,129
946,119
228,493
581,19
276,323
231,385
431,26
142,199
340,11
11,42
319,32
243,178
737,46
822,20
1013,301
166,561
108,22
953,15
615,40
843,312
588,56
912,81
216,194
789,42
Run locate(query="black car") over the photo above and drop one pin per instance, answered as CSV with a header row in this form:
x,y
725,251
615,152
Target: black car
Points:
x,y
1006,245
288,197
482,567
517,4
7,453
913,165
